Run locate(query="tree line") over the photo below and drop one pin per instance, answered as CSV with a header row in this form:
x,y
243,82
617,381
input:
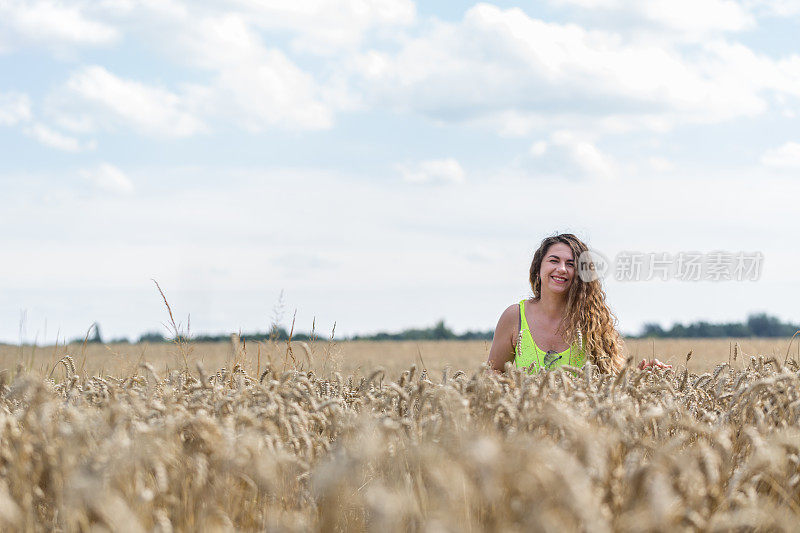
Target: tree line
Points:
x,y
439,331
756,325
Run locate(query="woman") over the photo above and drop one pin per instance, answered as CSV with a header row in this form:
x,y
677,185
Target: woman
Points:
x,y
566,322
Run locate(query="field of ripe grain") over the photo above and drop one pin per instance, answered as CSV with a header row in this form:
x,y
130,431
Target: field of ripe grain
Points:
x,y
357,356
149,449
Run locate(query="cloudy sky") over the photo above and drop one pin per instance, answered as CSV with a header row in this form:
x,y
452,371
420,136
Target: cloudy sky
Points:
x,y
386,163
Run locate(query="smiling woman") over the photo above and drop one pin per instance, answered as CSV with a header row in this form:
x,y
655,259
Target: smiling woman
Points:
x,y
566,322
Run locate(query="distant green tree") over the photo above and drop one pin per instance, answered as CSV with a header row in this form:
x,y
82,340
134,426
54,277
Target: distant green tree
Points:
x,y
152,336
763,325
441,332
652,330
737,330
438,332
757,325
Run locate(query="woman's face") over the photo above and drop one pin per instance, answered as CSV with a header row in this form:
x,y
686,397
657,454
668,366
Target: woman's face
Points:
x,y
558,269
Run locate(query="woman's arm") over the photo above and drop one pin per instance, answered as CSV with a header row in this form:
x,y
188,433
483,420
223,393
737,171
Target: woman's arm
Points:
x,y
646,365
505,334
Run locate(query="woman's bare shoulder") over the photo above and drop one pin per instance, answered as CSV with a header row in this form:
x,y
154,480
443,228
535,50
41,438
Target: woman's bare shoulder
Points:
x,y
510,317
507,330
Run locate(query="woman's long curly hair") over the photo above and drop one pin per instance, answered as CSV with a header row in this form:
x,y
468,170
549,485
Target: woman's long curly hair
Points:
x,y
587,314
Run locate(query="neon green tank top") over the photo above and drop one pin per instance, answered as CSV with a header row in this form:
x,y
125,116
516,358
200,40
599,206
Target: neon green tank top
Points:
x,y
528,355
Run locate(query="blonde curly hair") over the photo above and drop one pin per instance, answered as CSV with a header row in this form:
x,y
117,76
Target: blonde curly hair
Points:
x,y
587,314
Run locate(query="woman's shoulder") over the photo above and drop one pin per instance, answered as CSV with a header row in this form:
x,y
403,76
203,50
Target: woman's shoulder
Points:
x,y
510,317
508,324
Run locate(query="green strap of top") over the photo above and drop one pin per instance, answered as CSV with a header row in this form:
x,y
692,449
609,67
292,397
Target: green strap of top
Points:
x,y
528,355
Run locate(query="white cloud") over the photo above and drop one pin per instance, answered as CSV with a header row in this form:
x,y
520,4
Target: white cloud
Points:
x,y
256,86
54,22
250,85
591,160
325,26
568,155
696,16
14,108
55,139
786,156
539,148
522,73
693,18
661,164
128,8
108,178
778,8
739,71
94,98
254,81
446,170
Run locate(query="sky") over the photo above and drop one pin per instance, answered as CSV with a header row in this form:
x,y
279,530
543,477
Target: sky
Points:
x,y
385,164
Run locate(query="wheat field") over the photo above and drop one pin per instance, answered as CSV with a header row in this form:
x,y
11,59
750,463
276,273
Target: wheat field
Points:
x,y
395,437
357,356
